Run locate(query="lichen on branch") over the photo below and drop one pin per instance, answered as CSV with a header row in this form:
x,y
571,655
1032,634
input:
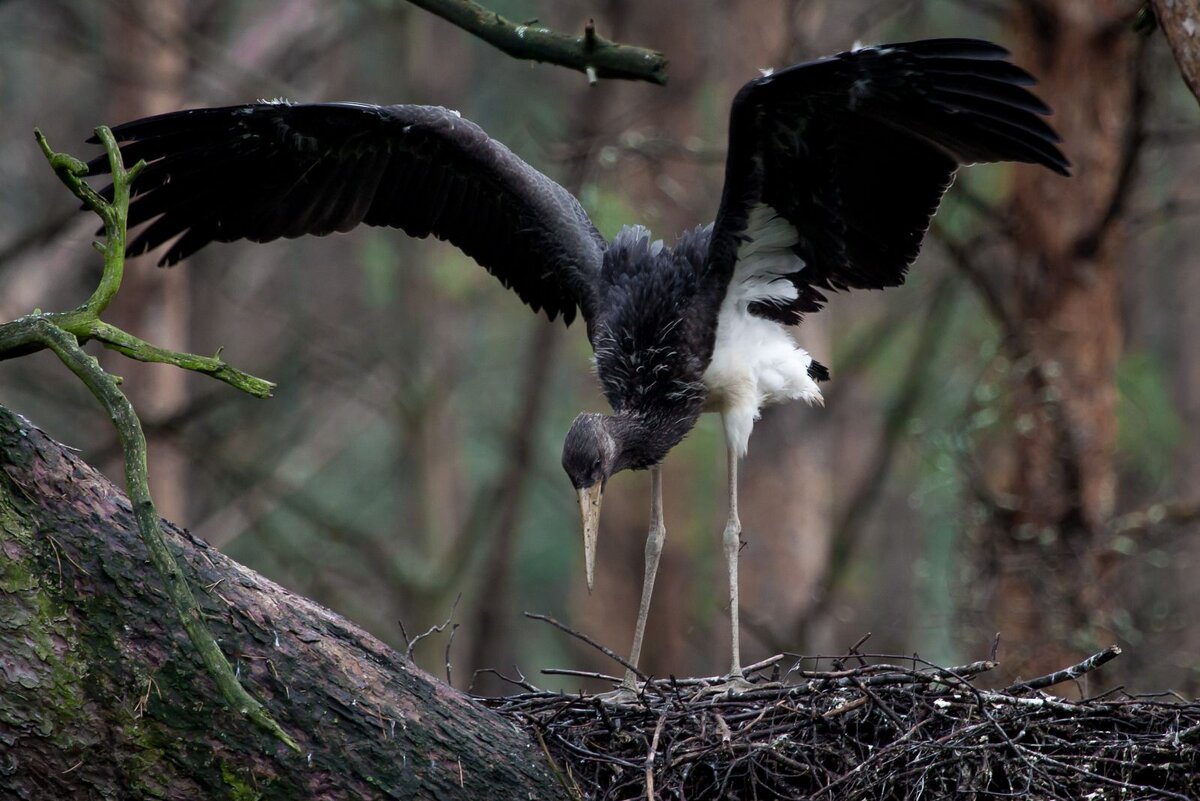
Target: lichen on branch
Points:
x,y
590,54
64,333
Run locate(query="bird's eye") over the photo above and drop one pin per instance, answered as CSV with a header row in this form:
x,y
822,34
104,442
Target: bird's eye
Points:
x,y
596,466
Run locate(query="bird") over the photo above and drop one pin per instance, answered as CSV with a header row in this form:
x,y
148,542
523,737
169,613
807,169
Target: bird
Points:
x,y
834,170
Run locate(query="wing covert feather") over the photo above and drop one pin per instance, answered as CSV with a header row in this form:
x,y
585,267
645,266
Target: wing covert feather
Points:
x,y
269,170
855,151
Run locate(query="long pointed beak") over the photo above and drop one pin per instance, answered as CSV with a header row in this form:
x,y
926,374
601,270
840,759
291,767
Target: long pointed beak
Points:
x,y
589,511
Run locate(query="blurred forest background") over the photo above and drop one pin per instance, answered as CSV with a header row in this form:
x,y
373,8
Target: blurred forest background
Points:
x,y
1011,441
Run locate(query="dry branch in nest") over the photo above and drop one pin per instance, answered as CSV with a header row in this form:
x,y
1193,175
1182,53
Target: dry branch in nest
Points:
x,y
885,728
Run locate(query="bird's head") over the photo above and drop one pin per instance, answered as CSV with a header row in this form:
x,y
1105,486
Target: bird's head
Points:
x,y
590,456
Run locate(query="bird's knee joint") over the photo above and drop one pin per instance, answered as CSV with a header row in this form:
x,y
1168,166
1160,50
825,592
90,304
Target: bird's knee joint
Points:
x,y
733,535
654,542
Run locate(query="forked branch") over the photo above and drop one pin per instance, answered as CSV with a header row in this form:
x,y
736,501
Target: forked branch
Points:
x,y
65,332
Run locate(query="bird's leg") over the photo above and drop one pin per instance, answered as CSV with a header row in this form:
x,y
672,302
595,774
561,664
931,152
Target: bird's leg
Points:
x,y
732,541
654,546
627,692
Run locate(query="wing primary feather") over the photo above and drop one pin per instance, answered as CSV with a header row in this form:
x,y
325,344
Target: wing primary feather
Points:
x,y
995,70
268,170
856,151
952,48
999,112
997,91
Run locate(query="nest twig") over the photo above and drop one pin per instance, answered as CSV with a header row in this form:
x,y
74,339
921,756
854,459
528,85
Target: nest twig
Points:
x,y
886,728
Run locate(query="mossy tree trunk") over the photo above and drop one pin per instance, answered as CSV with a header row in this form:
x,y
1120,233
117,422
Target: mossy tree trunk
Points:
x,y
102,695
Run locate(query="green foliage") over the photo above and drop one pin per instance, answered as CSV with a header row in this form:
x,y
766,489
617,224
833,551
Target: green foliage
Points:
x,y
456,275
379,263
1149,426
609,210
959,216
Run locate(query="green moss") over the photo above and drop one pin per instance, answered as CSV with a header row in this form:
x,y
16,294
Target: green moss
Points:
x,y
148,753
36,627
239,787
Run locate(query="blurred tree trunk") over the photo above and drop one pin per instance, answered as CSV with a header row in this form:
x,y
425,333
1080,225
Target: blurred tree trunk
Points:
x,y
149,62
493,641
104,697
1184,315
1048,593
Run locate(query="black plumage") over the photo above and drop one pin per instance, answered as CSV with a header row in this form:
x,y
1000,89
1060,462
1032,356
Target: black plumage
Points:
x,y
269,170
653,333
857,149
834,171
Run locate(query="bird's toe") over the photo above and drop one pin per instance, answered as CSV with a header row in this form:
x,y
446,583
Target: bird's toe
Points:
x,y
735,685
622,696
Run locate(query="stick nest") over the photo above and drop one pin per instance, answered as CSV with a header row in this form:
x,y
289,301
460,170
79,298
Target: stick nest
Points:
x,y
882,728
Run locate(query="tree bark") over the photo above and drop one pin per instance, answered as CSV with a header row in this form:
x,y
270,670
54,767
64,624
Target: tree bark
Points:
x,y
101,695
1048,594
1180,21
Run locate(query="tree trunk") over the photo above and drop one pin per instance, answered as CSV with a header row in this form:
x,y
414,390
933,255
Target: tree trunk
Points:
x,y
1048,598
1180,21
102,695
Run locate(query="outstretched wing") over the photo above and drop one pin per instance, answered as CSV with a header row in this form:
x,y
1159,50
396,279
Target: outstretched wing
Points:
x,y
270,170
836,167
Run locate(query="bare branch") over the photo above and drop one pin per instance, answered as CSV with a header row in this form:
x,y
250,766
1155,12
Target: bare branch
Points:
x,y
590,54
1168,513
1068,674
610,653
63,333
919,733
436,629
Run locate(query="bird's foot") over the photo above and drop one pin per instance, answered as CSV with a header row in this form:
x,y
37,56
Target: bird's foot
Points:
x,y
734,684
624,695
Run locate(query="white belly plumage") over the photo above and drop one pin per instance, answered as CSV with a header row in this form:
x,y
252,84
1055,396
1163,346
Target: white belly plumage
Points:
x,y
755,361
755,364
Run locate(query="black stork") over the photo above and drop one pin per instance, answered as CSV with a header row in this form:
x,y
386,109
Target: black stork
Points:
x,y
834,170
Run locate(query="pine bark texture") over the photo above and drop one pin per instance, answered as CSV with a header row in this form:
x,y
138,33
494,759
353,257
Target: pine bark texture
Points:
x,y
102,697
